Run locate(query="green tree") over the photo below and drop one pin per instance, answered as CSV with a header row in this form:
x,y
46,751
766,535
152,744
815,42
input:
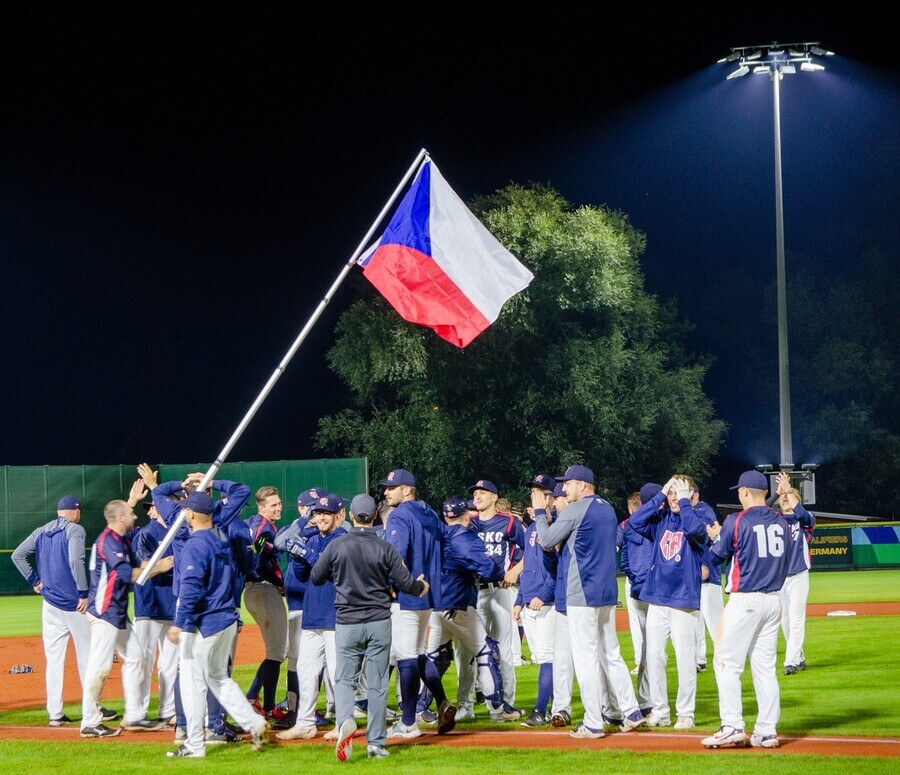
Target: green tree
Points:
x,y
584,366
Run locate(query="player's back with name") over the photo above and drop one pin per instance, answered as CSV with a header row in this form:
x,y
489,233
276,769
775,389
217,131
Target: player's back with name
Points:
x,y
753,542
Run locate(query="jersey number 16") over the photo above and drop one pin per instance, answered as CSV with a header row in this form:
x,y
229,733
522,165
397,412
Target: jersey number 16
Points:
x,y
769,540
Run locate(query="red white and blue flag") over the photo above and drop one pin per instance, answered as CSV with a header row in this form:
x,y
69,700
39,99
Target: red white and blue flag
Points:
x,y
438,266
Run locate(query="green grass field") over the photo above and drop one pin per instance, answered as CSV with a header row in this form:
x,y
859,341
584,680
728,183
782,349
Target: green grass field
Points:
x,y
849,689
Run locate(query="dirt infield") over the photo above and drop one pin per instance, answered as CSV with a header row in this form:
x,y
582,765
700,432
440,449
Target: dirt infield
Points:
x,y
639,741
27,691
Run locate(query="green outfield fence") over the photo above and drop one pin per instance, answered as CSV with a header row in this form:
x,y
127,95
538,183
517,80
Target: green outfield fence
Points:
x,y
29,494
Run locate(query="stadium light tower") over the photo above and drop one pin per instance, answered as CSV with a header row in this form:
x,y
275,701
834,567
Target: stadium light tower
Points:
x,y
776,61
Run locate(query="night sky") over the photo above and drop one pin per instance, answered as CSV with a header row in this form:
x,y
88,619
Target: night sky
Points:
x,y
178,188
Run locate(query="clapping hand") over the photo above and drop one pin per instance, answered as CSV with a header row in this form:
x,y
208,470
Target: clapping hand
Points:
x,y
427,585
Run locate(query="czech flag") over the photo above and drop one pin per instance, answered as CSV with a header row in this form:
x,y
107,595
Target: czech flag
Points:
x,y
438,266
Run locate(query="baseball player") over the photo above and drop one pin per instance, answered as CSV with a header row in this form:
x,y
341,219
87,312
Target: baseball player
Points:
x,y
504,537
205,628
316,646
636,557
633,503
534,608
58,576
711,601
795,591
167,497
752,543
465,562
672,592
154,611
563,665
587,530
417,534
264,595
113,569
301,529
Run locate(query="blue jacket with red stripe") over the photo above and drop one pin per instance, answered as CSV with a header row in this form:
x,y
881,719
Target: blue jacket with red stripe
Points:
x,y
268,568
110,568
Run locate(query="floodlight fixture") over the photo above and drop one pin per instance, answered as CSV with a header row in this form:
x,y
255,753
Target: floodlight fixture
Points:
x,y
763,468
809,466
779,60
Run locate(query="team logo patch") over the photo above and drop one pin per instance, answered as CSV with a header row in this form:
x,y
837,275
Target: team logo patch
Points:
x,y
323,501
391,476
670,544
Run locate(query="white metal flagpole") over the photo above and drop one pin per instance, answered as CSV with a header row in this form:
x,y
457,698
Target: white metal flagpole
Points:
x,y
220,459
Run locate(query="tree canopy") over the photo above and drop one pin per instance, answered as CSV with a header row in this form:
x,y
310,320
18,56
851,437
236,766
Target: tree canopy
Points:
x,y
584,366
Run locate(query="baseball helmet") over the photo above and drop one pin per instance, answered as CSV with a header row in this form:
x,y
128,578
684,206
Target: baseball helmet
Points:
x,y
454,506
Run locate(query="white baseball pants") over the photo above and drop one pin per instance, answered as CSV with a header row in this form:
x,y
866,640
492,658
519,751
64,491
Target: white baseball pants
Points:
x,y
317,651
680,625
563,666
794,595
106,641
156,647
711,606
635,624
56,627
207,670
595,652
540,630
495,606
749,627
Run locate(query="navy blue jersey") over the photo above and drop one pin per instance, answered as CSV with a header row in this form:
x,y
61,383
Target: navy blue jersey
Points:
x,y
535,581
801,524
243,557
298,530
153,599
706,513
678,540
110,568
206,597
504,537
319,600
635,557
262,535
753,543
225,510
417,533
551,565
465,563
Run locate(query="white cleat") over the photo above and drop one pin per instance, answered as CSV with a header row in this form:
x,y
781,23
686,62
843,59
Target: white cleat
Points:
x,y
726,737
297,733
407,732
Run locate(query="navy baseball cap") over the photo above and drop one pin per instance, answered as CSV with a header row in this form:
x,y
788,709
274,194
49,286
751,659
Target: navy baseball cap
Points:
x,y
484,484
752,479
308,497
581,473
650,491
544,482
147,505
199,502
362,507
558,491
455,506
330,503
68,502
399,477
